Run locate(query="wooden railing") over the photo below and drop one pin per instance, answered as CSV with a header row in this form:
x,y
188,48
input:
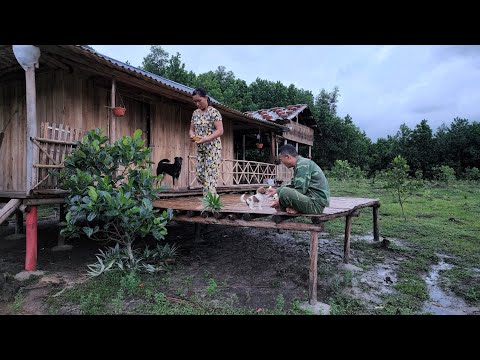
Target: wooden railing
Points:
x,y
242,172
299,133
56,141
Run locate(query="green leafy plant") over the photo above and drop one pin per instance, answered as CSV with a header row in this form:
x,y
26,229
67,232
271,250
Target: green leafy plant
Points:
x,y
444,174
111,192
212,203
399,182
342,170
116,258
212,286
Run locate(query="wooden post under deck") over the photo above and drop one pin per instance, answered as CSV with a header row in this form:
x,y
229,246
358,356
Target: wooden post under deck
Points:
x,y
346,244
18,222
312,285
376,231
31,253
197,232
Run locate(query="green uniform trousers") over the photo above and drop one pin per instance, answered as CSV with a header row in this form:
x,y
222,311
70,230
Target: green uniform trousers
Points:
x,y
289,197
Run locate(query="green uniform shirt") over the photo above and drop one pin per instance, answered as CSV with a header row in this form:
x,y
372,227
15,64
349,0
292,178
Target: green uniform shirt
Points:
x,y
308,179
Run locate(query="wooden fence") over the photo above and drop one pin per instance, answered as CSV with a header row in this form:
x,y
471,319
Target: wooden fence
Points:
x,y
56,141
243,172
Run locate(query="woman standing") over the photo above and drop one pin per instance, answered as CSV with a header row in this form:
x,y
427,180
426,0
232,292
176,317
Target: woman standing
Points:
x,y
205,129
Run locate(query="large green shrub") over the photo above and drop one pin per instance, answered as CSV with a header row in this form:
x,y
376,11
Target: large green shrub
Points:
x,y
111,192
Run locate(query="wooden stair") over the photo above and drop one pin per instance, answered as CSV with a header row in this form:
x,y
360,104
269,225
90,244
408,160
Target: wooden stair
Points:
x,y
8,209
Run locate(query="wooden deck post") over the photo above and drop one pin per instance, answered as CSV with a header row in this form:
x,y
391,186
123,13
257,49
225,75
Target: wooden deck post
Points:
x,y
31,253
19,222
376,231
346,244
62,213
197,232
312,285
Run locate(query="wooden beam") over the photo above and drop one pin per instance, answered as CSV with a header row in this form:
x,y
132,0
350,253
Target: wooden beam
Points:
x,y
312,286
52,60
253,224
53,141
31,247
45,201
376,231
111,127
9,209
31,154
346,244
243,147
197,232
272,147
19,222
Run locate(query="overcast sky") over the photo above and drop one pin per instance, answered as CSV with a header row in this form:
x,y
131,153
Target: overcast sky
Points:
x,y
381,86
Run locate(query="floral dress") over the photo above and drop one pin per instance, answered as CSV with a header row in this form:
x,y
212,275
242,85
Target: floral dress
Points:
x,y
208,153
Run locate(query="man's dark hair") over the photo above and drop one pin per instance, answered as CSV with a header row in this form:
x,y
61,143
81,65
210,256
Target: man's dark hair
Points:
x,y
202,92
288,149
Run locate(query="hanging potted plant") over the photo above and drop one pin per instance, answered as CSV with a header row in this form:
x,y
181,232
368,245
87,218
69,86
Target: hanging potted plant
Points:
x,y
259,141
119,110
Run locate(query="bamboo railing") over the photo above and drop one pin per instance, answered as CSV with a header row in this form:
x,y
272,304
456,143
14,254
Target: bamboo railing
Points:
x,y
242,172
56,141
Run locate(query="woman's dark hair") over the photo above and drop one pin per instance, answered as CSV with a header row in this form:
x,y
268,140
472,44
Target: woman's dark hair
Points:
x,y
203,93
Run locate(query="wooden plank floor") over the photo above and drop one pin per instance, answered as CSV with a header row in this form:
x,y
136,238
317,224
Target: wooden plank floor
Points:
x,y
339,206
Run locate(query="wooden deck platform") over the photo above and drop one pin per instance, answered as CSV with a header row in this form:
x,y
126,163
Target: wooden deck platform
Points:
x,y
237,213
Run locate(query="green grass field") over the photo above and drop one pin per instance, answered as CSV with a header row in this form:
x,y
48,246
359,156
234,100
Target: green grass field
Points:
x,y
440,220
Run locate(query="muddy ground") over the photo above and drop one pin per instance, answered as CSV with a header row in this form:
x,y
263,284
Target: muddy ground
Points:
x,y
252,268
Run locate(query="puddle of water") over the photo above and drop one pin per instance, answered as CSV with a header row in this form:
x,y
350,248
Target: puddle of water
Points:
x,y
441,303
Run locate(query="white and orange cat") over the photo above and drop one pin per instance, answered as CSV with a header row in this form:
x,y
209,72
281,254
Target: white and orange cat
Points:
x,y
257,199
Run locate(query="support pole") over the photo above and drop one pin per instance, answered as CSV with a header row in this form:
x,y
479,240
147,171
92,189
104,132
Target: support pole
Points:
x,y
376,231
272,147
31,151
31,254
19,222
197,232
346,244
312,287
243,147
111,128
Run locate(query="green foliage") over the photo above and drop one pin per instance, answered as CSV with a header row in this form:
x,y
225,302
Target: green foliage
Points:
x,y
116,258
343,171
444,174
212,287
399,182
472,174
129,282
111,193
212,203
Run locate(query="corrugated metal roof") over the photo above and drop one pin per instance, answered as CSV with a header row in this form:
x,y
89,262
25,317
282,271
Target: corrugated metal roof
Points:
x,y
158,78
185,89
277,113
